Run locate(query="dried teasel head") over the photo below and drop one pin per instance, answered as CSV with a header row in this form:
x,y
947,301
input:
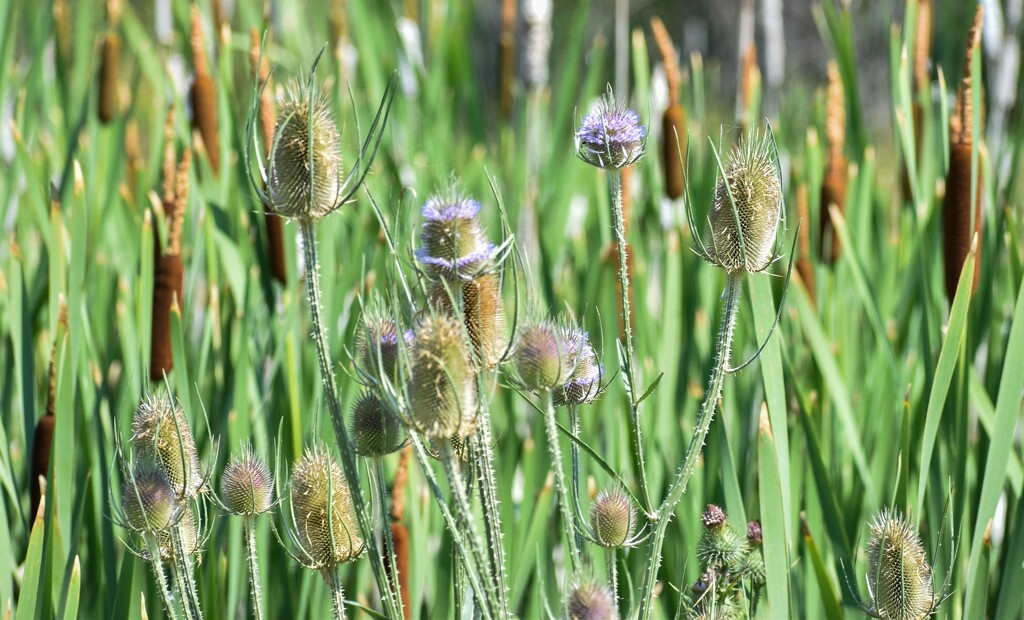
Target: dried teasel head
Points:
x,y
899,576
613,518
744,219
148,502
612,136
375,429
161,434
326,529
247,486
453,244
590,600
442,389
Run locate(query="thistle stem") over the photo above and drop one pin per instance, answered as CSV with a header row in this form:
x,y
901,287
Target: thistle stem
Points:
x,y
337,593
348,459
628,376
730,304
183,575
481,444
568,522
574,455
613,573
384,523
153,547
255,589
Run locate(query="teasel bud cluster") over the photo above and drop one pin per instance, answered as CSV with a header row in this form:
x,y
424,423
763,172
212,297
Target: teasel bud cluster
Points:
x,y
899,576
723,555
673,121
442,385
110,60
612,136
957,210
833,188
161,433
203,95
590,600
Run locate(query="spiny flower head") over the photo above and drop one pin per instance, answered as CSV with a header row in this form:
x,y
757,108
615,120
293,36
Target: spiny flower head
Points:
x,y
612,136
325,519
719,545
305,159
590,600
148,502
483,314
375,429
452,243
161,434
613,518
443,385
584,384
247,486
899,576
377,344
541,356
742,240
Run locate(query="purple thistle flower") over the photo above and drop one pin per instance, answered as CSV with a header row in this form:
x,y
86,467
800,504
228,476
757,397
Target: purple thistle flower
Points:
x,y
612,136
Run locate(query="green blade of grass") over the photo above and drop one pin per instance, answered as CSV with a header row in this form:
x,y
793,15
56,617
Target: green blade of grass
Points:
x,y
30,604
776,554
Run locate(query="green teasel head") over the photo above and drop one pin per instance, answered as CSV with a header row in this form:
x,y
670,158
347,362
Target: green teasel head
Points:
x,y
325,525
149,503
613,518
378,346
442,388
542,356
590,600
161,434
376,431
247,486
899,576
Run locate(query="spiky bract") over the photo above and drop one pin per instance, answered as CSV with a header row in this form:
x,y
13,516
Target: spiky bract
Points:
x,y
442,391
899,576
590,600
375,429
161,434
325,521
247,486
613,518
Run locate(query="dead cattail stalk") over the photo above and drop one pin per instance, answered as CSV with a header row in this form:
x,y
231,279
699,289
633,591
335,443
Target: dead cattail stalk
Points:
x,y
507,58
168,280
204,97
804,267
833,188
275,238
957,210
673,122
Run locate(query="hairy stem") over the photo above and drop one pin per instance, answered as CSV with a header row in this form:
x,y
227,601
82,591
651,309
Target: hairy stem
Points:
x,y
568,521
628,376
384,522
613,573
730,304
484,454
574,455
183,575
348,459
333,579
255,590
153,548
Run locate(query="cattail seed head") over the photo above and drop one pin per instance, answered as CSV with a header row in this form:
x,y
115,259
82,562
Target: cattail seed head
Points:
x,y
719,545
375,429
613,518
443,388
161,434
453,244
833,186
541,357
148,501
899,576
247,486
590,600
325,519
305,159
110,59
742,240
612,136
584,384
673,145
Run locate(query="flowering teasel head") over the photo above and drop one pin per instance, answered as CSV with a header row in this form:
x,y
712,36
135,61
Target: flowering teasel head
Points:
x,y
590,600
719,545
612,136
374,428
747,211
161,434
247,486
584,384
541,356
149,503
325,527
899,575
377,346
442,388
613,519
453,244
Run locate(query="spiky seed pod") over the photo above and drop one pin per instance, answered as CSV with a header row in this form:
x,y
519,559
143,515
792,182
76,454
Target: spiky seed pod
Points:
x,y
612,136
833,187
584,384
204,97
899,576
377,344
719,545
752,180
161,433
375,429
305,121
443,388
452,243
590,600
110,59
148,501
541,357
484,316
613,518
325,519
247,486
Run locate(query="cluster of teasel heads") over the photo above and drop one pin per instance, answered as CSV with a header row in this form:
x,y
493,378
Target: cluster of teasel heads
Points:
x,y
732,569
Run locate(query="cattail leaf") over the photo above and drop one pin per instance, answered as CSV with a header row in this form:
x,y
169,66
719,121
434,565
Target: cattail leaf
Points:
x,y
1009,603
773,524
534,541
829,596
126,603
1007,412
30,603
982,403
944,373
74,587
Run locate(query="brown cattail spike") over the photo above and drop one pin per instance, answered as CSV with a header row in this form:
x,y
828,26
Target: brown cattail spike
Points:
x,y
204,98
957,211
833,188
507,58
110,57
804,267
750,80
42,441
922,45
673,122
168,279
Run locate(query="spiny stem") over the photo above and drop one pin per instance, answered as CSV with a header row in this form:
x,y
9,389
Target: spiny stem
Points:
x,y
153,547
730,304
255,589
183,573
481,444
568,522
337,593
574,452
613,573
628,376
348,459
385,526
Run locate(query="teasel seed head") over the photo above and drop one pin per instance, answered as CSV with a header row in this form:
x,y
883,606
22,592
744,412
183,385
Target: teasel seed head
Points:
x,y
377,346
742,241
442,398
305,133
719,545
541,356
325,520
484,316
613,518
247,486
452,243
899,576
161,434
148,502
612,136
590,600
584,384
375,429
